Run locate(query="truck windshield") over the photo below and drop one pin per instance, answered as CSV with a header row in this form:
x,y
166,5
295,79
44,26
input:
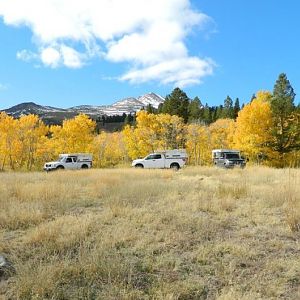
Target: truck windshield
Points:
x,y
232,155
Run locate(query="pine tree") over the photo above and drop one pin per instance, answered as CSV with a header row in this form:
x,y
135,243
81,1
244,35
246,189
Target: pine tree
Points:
x,y
219,113
207,116
194,109
214,113
177,103
282,102
286,128
150,109
228,111
236,107
127,120
160,108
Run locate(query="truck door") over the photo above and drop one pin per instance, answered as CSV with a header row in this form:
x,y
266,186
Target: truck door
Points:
x,y
70,163
158,161
154,161
221,160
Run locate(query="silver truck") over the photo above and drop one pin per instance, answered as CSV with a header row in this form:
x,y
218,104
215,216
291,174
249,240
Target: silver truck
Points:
x,y
227,158
71,161
163,159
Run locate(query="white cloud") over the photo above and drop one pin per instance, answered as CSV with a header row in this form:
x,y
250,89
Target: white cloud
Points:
x,y
182,72
26,55
71,57
160,42
57,55
149,35
50,57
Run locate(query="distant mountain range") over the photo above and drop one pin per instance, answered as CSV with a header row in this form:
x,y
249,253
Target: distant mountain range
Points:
x,y
54,115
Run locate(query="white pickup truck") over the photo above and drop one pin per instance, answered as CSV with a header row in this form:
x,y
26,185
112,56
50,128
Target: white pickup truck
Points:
x,y
72,161
168,159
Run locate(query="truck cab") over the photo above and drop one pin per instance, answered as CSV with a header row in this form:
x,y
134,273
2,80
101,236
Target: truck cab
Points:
x,y
71,161
227,158
162,159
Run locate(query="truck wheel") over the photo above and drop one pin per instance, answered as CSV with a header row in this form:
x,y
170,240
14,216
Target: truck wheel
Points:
x,y
84,166
60,168
139,166
175,167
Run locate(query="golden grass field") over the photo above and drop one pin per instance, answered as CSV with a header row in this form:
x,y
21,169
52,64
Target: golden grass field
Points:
x,y
200,233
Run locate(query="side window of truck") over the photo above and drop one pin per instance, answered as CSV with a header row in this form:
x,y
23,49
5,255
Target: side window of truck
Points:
x,y
68,160
153,156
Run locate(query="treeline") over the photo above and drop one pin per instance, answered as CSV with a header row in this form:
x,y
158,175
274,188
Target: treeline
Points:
x,y
267,130
178,103
124,118
193,110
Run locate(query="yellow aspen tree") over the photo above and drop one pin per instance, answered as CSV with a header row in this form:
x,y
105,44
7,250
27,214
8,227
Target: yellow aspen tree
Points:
x,y
43,151
197,144
221,134
172,131
143,138
108,149
253,128
153,132
31,131
131,142
75,135
98,148
116,151
147,132
8,140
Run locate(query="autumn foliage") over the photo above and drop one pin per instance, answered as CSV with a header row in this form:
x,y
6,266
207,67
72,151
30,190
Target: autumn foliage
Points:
x,y
253,127
26,143
23,142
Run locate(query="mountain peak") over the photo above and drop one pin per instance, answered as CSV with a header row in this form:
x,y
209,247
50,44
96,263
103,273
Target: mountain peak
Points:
x,y
152,99
127,105
26,104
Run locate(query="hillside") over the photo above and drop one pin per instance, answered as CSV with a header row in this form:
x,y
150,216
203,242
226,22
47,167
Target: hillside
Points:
x,y
201,233
54,115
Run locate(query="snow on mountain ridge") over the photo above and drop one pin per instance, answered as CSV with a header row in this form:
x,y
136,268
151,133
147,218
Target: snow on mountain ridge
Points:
x,y
126,102
126,105
152,99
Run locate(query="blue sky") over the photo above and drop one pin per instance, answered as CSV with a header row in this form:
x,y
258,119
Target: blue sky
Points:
x,y
210,48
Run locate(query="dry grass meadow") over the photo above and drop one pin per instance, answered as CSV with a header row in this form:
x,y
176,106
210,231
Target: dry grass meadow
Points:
x,y
200,233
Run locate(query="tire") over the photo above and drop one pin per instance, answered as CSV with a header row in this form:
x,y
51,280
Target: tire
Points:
x,y
60,167
139,166
84,166
175,167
